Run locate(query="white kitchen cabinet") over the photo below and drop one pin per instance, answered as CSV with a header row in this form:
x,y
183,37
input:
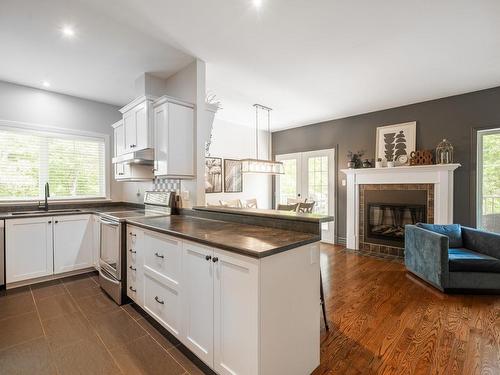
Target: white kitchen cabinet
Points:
x,y
135,262
96,240
236,314
240,315
138,125
118,138
72,243
173,138
28,251
198,306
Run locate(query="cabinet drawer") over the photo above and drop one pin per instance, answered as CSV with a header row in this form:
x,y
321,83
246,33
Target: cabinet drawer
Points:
x,y
163,256
163,303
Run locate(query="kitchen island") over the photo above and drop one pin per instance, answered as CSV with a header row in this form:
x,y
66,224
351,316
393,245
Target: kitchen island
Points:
x,y
244,298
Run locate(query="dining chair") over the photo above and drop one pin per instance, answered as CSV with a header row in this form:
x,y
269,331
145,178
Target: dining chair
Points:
x,y
236,203
287,207
306,207
250,203
296,200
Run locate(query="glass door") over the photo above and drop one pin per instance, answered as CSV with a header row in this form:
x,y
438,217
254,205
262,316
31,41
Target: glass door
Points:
x,y
488,180
309,176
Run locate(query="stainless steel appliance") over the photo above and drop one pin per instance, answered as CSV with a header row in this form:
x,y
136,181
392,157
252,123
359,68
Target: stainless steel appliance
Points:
x,y
112,253
2,252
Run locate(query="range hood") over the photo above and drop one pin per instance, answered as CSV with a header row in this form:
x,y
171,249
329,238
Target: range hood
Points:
x,y
141,157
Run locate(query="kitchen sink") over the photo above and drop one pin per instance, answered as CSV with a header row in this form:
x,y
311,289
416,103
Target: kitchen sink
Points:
x,y
40,212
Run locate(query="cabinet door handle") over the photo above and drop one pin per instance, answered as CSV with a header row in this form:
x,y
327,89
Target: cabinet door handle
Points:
x,y
132,289
208,257
158,300
133,251
132,268
215,259
49,222
159,256
56,221
133,234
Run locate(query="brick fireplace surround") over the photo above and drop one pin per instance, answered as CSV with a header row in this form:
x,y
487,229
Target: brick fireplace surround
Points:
x,y
385,249
437,180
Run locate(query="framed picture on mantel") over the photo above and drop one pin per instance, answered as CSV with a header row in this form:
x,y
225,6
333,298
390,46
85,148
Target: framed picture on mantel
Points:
x,y
396,142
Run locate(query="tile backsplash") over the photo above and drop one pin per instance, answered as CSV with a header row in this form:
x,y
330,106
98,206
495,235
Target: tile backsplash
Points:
x,y
166,184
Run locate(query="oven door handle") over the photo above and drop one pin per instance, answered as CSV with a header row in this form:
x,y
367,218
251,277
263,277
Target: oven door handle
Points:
x,y
109,222
105,275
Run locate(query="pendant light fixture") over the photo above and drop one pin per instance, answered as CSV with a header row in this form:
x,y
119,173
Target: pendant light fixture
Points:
x,y
257,165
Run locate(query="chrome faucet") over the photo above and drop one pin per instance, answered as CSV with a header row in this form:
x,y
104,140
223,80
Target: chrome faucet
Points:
x,y
47,194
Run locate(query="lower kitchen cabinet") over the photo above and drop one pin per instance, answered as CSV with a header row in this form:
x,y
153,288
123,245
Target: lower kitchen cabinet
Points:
x,y
73,242
238,314
44,246
28,248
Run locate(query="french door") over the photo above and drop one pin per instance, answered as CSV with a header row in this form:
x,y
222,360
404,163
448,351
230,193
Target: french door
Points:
x,y
488,180
309,175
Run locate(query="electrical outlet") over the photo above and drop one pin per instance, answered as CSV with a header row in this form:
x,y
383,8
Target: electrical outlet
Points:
x,y
185,195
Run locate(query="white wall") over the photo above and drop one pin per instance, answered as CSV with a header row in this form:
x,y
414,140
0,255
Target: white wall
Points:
x,y
35,106
234,141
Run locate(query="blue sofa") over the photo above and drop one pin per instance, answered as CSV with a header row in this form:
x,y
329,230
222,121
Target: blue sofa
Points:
x,y
454,258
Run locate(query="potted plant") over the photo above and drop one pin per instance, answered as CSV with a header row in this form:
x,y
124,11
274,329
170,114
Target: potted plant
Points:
x,y
354,159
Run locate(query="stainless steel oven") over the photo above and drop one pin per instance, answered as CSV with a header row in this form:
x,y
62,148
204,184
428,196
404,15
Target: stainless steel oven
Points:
x,y
111,257
112,251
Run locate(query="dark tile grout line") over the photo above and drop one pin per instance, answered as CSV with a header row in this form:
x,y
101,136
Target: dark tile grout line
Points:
x,y
161,346
44,333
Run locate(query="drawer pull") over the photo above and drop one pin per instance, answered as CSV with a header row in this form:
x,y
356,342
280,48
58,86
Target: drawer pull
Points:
x,y
159,256
208,257
215,259
132,289
132,268
158,300
133,251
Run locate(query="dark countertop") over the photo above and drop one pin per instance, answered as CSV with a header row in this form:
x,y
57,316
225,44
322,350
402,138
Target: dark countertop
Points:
x,y
251,240
284,215
97,209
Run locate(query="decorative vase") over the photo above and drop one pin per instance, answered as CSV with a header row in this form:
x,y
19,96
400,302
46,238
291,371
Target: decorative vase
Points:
x,y
444,152
351,164
390,164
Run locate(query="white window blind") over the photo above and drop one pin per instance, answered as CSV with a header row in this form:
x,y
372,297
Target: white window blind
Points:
x,y
74,166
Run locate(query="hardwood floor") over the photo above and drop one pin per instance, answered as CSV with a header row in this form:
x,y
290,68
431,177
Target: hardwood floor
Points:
x,y
384,321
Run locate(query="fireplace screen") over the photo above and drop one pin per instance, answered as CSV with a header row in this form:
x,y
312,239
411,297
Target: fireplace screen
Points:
x,y
386,222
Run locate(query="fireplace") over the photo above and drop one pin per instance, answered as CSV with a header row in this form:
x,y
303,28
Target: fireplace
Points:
x,y
385,222
386,209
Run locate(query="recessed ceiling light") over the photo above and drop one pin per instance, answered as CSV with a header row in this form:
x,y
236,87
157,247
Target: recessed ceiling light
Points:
x,y
68,31
257,3
46,84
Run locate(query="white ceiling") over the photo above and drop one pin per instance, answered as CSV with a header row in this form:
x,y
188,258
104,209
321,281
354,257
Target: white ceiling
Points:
x,y
309,60
101,62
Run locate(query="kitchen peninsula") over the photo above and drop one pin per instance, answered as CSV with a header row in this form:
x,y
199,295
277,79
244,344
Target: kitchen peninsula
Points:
x,y
242,295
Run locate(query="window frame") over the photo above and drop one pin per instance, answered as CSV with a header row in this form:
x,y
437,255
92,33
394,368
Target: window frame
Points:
x,y
47,130
478,173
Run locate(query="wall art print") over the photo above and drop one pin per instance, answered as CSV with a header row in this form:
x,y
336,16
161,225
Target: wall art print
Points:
x,y
213,175
233,180
396,142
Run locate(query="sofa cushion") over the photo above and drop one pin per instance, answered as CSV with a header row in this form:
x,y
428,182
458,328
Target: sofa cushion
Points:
x,y
452,231
465,260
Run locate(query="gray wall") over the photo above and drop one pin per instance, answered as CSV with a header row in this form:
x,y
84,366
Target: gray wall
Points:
x,y
454,118
31,105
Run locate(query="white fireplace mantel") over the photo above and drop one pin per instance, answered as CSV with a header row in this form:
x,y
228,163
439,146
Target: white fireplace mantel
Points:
x,y
441,175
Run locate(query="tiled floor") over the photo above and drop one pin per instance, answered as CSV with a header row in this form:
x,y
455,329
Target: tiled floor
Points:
x,y
70,326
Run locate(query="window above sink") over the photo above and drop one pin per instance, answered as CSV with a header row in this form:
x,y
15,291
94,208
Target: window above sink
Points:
x,y
72,163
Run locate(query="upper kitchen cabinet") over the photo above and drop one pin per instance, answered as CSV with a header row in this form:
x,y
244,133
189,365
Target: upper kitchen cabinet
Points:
x,y
173,138
118,138
136,132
